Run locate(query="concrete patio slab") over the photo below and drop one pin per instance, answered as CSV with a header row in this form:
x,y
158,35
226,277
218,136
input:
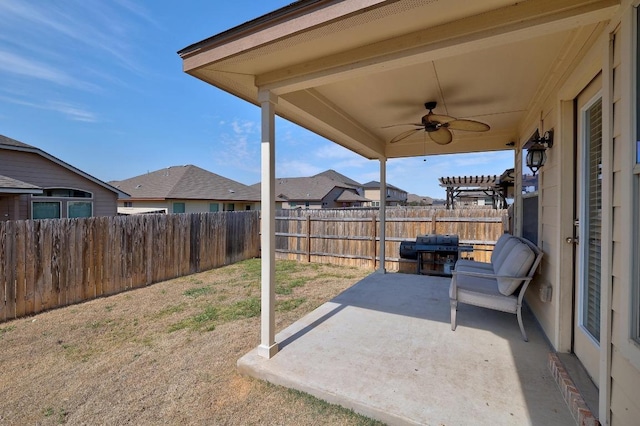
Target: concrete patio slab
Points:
x,y
385,348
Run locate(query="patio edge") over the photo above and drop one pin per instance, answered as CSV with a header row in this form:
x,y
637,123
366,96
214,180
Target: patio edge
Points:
x,y
250,365
578,407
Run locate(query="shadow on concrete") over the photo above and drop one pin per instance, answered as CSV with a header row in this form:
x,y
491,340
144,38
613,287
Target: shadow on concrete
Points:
x,y
384,347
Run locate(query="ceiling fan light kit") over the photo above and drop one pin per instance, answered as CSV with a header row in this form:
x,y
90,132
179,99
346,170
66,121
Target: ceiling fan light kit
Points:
x,y
439,127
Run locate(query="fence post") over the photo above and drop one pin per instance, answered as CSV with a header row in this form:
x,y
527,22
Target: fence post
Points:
x,y
433,222
308,238
373,241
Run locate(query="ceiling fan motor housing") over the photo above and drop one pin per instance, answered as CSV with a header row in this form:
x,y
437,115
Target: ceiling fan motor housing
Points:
x,y
430,126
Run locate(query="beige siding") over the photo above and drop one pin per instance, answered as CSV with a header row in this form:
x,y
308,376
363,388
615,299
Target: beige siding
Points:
x,y
625,354
37,170
548,230
191,206
625,384
301,205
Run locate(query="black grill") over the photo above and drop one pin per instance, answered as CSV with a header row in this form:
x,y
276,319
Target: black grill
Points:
x,y
429,243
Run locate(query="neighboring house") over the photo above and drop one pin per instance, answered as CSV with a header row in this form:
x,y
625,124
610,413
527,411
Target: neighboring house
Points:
x,y
318,192
348,72
332,174
395,195
184,189
37,185
419,200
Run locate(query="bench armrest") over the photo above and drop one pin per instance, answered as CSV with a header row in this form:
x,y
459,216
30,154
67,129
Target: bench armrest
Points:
x,y
490,276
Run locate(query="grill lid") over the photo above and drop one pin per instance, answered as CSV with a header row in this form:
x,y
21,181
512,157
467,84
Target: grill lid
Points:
x,y
437,239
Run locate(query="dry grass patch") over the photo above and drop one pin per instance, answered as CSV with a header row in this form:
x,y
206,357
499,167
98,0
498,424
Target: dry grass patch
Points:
x,y
164,354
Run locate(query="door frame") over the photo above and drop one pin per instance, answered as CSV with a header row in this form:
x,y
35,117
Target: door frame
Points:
x,y
591,347
598,60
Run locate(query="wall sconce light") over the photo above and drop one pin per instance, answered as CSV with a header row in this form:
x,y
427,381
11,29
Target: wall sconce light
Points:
x,y
536,153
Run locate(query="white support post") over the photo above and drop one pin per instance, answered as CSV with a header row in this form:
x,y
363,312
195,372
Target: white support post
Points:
x,y
383,214
268,346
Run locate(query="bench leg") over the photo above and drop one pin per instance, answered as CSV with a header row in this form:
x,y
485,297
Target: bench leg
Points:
x,y
454,309
524,334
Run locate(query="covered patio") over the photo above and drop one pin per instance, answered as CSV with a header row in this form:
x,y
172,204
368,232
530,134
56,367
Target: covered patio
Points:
x,y
385,348
393,79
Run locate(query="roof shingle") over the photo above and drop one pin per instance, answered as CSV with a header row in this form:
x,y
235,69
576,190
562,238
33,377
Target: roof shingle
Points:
x,y
186,182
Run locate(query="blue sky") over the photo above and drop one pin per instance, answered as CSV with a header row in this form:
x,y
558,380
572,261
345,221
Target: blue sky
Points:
x,y
99,85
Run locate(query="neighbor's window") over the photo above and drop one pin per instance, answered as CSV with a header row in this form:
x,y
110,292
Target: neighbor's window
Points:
x,y
178,207
64,193
128,203
230,207
79,209
213,207
45,209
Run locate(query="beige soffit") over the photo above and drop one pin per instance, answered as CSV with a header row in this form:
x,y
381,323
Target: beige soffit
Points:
x,y
352,70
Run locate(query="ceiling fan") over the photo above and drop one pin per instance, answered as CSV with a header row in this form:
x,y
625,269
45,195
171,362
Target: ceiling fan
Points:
x,y
439,126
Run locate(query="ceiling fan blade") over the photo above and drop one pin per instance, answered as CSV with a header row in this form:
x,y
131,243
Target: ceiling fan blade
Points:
x,y
439,118
404,135
441,136
403,124
468,125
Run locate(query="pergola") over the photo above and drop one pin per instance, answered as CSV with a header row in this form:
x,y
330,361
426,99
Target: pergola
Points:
x,y
358,73
476,187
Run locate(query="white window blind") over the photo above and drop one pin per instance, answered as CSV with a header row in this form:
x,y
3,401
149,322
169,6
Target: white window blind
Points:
x,y
593,241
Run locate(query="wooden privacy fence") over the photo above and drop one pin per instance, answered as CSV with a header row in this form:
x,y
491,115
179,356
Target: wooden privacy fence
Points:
x,y
350,237
51,263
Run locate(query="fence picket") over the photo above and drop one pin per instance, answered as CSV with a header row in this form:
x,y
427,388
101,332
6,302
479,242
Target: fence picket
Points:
x,y
4,264
49,263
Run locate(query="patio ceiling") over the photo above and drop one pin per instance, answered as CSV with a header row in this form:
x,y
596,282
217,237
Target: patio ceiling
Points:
x,y
347,69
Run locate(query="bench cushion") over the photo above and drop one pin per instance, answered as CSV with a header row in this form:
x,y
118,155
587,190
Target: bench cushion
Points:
x,y
497,249
499,258
500,252
517,263
482,292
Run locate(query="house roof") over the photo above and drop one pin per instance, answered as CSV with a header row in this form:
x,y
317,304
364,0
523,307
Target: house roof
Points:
x,y
359,72
413,198
15,186
12,144
375,184
187,182
332,174
313,188
348,196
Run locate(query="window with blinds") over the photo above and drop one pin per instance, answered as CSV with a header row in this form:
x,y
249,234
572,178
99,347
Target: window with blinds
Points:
x,y
593,226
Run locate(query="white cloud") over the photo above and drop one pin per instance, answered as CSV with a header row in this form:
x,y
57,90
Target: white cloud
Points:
x,y
15,64
238,145
139,11
71,111
296,168
341,158
98,26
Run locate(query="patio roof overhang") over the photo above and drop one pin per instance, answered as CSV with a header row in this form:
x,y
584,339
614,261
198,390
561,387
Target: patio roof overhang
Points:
x,y
347,69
